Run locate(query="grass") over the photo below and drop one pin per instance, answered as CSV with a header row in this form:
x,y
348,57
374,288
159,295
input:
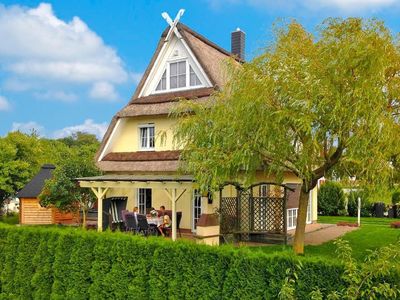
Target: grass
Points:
x,y
373,234
11,219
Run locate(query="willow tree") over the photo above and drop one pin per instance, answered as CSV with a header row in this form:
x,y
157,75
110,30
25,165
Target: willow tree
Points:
x,y
308,104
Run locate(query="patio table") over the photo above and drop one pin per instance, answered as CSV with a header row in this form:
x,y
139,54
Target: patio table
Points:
x,y
155,220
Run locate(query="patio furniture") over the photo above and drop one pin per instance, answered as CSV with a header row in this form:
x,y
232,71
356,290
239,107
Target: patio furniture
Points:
x,y
178,222
144,227
131,223
117,205
157,221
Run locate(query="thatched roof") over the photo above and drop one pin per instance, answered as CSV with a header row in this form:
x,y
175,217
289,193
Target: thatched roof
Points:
x,y
211,58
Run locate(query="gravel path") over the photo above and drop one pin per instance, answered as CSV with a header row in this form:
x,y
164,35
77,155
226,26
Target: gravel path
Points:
x,y
317,234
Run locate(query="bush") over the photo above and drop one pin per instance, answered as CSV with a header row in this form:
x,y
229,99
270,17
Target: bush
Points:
x,y
331,200
352,204
395,198
52,263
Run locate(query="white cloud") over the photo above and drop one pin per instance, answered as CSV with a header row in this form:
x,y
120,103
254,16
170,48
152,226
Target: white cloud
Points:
x,y
56,95
344,6
89,126
351,6
28,127
103,90
4,104
40,49
16,85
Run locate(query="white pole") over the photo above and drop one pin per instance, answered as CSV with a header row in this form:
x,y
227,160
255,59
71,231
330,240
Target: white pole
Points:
x,y
99,212
359,212
174,223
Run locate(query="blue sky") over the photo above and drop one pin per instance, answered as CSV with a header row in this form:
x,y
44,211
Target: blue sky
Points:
x,y
71,65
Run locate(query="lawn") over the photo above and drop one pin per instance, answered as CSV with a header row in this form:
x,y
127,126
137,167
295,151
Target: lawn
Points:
x,y
374,233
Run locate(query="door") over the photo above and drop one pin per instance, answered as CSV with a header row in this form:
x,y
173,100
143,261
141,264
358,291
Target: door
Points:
x,y
144,201
196,213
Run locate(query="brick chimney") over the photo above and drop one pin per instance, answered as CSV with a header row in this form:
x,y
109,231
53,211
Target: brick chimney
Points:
x,y
238,44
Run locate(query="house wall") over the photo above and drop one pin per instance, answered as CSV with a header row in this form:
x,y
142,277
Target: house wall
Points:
x,y
185,203
128,139
159,198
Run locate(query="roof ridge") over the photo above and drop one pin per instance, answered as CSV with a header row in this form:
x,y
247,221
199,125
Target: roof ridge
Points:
x,y
207,41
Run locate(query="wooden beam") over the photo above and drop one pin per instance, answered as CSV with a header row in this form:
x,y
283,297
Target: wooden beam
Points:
x,y
180,195
138,184
100,193
173,199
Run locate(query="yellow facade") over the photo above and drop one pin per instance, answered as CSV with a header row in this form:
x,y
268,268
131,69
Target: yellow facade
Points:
x,y
128,137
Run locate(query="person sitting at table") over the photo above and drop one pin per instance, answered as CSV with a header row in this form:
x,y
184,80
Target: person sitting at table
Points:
x,y
135,212
162,210
166,224
153,213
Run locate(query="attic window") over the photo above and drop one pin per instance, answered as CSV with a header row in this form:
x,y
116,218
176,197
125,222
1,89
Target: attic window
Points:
x,y
162,85
178,75
194,80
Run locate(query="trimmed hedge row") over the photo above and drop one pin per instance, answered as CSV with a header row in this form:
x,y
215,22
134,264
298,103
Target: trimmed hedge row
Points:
x,y
53,263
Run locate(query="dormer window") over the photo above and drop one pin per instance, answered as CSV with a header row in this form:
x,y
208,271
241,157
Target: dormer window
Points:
x,y
178,75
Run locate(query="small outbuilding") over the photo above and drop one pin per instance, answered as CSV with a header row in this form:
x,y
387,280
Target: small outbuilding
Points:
x,y
31,212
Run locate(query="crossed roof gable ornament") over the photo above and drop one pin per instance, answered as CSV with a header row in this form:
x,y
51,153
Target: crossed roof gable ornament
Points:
x,y
173,24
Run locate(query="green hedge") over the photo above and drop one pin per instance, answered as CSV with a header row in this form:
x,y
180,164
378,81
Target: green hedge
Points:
x,y
53,263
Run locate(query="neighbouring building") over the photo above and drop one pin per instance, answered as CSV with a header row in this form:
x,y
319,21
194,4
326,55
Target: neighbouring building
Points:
x,y
30,210
141,166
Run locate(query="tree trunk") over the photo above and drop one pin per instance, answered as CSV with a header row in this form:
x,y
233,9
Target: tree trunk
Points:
x,y
298,244
84,213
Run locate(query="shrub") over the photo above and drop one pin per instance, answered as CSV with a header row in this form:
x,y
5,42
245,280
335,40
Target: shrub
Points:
x,y
396,197
377,277
52,263
331,200
352,204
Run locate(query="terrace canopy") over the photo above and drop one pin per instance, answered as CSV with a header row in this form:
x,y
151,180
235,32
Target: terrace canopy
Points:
x,y
173,185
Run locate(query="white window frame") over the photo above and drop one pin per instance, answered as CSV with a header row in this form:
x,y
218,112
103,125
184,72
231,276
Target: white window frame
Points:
x,y
141,200
147,147
309,209
196,197
292,215
291,218
187,87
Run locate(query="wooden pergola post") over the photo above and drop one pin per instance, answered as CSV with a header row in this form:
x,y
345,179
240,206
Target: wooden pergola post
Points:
x,y
172,196
100,193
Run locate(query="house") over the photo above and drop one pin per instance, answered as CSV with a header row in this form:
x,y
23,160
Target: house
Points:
x,y
30,210
142,166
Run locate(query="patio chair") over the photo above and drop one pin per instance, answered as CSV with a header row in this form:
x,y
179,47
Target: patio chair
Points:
x,y
131,224
144,227
117,205
168,230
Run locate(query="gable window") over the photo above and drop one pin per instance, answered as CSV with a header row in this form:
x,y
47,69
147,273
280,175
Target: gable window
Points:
x,y
146,136
178,75
162,85
194,80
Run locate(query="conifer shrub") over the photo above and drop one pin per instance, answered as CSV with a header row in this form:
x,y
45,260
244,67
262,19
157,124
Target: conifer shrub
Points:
x,y
54,263
331,199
